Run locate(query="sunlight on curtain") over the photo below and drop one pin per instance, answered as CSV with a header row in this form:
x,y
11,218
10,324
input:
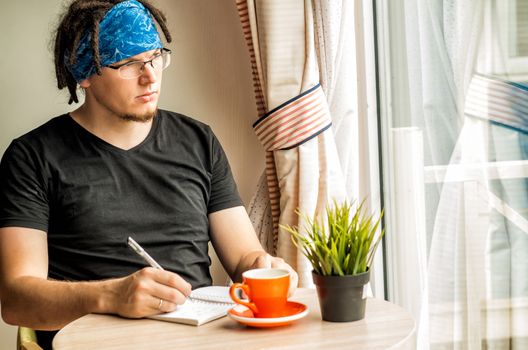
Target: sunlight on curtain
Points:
x,y
345,52
294,123
455,122
313,89
344,33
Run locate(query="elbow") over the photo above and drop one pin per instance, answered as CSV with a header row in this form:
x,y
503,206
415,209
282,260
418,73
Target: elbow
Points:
x,y
9,315
10,309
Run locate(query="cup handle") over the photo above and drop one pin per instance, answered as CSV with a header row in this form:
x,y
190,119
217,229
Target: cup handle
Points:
x,y
235,298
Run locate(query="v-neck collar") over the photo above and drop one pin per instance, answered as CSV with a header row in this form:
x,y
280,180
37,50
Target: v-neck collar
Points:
x,y
109,146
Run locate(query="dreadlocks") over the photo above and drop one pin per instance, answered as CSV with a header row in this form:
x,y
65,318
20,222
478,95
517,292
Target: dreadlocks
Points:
x,y
80,17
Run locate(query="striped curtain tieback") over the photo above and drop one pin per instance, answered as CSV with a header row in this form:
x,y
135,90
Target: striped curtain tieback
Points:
x,y
498,101
295,121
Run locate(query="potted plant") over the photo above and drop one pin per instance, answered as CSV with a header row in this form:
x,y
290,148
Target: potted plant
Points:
x,y
340,248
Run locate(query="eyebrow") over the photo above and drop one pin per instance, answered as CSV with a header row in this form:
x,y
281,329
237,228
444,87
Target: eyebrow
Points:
x,y
130,60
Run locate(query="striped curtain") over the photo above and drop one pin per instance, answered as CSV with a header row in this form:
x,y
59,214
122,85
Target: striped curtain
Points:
x,y
293,124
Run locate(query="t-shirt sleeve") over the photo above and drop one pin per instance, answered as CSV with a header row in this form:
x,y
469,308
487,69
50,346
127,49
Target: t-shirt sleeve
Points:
x,y
23,198
224,193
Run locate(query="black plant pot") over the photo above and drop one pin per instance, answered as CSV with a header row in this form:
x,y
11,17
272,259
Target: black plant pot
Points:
x,y
341,297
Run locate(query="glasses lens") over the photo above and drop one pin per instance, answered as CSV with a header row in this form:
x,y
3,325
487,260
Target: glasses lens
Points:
x,y
157,62
135,69
165,59
131,70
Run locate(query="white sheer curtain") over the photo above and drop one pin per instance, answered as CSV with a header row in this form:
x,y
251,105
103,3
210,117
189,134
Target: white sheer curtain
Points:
x,y
344,44
458,236
344,33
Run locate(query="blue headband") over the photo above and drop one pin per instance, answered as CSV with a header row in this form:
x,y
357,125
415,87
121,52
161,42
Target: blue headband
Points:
x,y
125,31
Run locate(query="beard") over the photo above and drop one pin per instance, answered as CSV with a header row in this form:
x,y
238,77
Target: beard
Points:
x,y
140,118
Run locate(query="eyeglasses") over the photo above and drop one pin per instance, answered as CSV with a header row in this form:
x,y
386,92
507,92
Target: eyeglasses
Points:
x,y
134,69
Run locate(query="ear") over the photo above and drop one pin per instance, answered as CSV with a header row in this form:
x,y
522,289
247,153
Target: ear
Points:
x,y
85,83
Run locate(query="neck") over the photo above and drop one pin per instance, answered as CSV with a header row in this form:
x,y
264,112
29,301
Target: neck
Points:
x,y
124,134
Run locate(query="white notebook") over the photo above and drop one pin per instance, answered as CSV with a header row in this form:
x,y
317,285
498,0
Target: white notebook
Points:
x,y
205,304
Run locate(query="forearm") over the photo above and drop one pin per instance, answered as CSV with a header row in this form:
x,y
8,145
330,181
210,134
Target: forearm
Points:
x,y
29,299
49,305
247,253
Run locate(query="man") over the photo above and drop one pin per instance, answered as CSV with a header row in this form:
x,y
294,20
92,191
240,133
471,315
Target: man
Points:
x,y
74,189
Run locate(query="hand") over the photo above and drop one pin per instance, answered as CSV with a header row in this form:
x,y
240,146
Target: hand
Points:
x,y
268,261
139,294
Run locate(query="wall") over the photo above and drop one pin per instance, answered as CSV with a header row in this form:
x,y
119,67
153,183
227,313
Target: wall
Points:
x,y
209,79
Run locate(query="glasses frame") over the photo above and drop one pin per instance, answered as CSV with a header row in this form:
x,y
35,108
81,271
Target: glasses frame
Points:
x,y
142,69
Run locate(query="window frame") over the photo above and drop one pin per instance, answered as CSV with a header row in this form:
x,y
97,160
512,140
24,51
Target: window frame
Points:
x,y
514,67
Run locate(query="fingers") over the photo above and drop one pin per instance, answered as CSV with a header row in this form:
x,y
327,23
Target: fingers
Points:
x,y
263,261
167,286
161,305
268,261
171,280
294,281
150,291
279,263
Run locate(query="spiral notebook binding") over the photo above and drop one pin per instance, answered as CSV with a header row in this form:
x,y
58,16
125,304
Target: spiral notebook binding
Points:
x,y
217,296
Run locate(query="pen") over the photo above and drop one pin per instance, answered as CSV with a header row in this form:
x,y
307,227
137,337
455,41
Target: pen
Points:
x,y
142,253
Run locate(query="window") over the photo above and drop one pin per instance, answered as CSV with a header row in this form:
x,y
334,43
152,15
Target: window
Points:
x,y
454,126
507,25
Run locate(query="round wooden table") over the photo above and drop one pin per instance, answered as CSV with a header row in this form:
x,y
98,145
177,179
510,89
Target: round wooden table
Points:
x,y
385,326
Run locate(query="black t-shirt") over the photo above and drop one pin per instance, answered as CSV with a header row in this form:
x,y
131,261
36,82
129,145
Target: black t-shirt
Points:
x,y
89,196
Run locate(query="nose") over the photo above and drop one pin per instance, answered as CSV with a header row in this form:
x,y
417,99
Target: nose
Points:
x,y
149,74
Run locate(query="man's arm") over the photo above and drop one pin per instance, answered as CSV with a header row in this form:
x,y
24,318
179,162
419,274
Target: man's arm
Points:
x,y
29,299
238,247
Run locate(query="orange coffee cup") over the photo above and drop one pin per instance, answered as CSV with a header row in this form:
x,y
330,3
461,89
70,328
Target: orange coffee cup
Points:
x,y
266,289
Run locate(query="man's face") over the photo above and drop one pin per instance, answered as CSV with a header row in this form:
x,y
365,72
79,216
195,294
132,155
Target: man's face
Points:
x,y
133,99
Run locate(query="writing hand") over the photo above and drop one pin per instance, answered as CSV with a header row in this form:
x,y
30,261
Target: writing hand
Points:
x,y
149,291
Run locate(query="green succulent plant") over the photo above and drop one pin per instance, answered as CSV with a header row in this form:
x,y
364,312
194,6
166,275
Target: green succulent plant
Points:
x,y
343,245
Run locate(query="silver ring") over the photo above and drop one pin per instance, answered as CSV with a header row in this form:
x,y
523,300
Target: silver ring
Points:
x,y
160,304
